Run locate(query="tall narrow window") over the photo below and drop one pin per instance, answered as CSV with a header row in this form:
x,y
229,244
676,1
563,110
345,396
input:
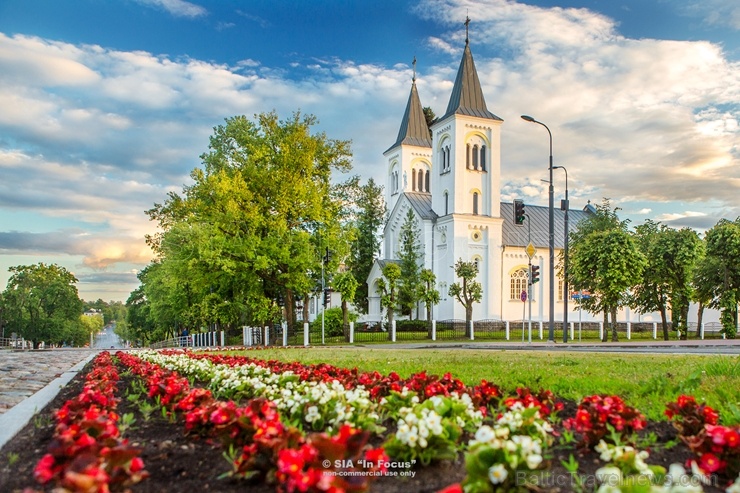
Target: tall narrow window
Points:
x,y
483,158
421,180
427,188
467,156
475,156
447,203
413,180
475,203
518,284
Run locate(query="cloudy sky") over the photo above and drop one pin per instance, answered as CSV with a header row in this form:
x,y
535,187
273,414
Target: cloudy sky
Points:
x,y
105,106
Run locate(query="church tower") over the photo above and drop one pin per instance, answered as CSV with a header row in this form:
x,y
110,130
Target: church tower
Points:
x,y
466,183
409,165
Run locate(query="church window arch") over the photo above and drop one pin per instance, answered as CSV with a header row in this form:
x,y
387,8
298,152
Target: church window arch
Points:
x,y
420,177
413,180
483,157
447,202
427,188
478,261
476,196
467,156
519,280
476,150
444,155
475,156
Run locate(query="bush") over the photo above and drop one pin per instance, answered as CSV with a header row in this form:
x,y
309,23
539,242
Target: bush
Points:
x,y
333,325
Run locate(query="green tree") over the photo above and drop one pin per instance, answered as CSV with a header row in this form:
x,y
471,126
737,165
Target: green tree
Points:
x,y
705,290
469,291
723,270
428,292
89,326
409,256
667,280
251,229
346,284
605,260
41,303
388,289
366,244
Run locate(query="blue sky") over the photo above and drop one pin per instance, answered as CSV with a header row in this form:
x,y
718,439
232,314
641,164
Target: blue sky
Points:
x,y
106,105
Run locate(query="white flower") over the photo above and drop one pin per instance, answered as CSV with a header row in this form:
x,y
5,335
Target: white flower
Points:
x,y
484,434
609,475
734,487
497,473
312,414
534,460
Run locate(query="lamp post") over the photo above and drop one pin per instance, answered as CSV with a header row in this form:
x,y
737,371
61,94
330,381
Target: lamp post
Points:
x,y
551,233
564,205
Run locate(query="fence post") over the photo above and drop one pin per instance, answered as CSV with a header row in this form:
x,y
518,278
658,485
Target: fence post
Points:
x,y
629,330
267,335
223,339
472,331
572,330
507,330
351,332
601,331
393,331
655,330
285,333
701,331
434,330
542,336
305,334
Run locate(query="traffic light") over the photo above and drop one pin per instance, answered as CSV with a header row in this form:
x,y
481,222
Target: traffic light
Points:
x,y
327,257
519,212
327,297
535,274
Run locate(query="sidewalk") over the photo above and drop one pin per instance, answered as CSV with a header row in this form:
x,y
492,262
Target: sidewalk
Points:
x,y
31,379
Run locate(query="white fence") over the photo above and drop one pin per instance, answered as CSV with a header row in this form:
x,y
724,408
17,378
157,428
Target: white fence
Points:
x,y
205,339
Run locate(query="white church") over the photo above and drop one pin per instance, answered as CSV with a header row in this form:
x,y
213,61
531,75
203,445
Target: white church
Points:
x,y
450,178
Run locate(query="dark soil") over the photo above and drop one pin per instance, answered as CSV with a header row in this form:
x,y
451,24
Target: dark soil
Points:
x,y
182,464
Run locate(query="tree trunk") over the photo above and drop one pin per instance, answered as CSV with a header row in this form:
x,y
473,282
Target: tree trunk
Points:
x,y
289,308
345,319
699,319
664,320
615,336
605,335
468,318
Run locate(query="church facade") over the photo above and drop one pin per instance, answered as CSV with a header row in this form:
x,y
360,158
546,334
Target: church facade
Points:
x,y
449,177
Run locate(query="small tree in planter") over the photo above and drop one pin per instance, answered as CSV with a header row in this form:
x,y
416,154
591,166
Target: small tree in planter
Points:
x,y
429,294
388,291
469,292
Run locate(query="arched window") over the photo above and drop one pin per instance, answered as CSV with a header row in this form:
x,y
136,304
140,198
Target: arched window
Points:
x,y
421,181
475,202
427,188
447,203
518,283
475,156
477,261
467,156
413,180
483,158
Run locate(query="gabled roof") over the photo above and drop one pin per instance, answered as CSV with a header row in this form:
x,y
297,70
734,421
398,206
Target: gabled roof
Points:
x,y
467,95
422,204
414,130
514,235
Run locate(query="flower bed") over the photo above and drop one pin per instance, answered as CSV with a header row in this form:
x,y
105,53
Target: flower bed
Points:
x,y
320,428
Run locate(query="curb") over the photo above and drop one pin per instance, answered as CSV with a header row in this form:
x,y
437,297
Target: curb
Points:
x,y
17,417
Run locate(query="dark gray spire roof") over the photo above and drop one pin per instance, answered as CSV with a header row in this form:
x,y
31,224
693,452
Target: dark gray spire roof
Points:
x,y
467,95
414,130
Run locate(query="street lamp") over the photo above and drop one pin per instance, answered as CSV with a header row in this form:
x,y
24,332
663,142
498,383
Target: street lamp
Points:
x,y
551,232
564,205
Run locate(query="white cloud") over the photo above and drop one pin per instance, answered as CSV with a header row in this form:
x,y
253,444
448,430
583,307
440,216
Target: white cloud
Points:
x,y
178,8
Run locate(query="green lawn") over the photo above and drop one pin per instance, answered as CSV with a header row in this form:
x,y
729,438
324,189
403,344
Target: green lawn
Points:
x,y
644,381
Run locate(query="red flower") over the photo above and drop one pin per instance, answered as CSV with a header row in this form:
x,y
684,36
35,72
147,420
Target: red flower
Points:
x,y
453,488
710,463
44,469
136,464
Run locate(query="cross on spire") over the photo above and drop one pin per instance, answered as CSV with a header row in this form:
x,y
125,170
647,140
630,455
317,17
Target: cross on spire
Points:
x,y
413,79
467,23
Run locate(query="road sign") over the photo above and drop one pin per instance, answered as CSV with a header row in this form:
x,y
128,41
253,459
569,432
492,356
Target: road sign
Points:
x,y
530,250
523,296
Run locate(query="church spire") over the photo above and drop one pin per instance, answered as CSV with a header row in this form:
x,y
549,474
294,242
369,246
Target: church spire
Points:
x,y
467,95
414,130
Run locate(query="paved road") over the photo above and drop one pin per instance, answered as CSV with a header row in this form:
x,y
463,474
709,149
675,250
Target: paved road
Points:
x,y
23,373
107,339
